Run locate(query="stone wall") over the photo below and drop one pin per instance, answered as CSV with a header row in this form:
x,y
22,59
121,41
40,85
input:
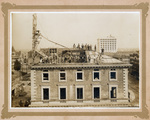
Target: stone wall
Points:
x,y
71,83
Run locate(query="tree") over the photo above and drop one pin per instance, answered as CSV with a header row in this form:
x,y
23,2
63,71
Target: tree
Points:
x,y
95,48
17,65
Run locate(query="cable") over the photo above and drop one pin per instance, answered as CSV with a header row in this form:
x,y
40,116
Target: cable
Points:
x,y
41,27
54,42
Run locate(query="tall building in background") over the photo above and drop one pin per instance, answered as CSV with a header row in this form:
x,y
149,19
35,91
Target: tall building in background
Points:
x,y
108,44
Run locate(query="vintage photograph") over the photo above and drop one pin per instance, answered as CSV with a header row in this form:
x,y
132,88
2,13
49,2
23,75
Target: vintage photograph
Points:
x,y
75,59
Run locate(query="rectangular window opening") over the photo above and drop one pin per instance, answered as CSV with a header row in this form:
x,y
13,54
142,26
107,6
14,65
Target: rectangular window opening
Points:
x,y
62,93
113,75
96,92
62,76
113,92
79,93
45,76
79,76
45,93
96,75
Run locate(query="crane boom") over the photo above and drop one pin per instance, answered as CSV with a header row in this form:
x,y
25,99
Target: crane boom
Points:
x,y
36,39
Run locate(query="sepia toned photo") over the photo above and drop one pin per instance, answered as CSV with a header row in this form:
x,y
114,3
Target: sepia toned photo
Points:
x,y
75,59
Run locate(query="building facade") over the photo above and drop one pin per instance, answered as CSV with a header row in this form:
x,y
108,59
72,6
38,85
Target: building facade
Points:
x,y
108,44
82,84
134,60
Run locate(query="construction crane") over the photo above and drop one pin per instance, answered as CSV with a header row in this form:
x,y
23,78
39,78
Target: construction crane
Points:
x,y
36,37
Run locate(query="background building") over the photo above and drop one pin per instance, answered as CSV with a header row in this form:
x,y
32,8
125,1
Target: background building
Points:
x,y
108,44
134,60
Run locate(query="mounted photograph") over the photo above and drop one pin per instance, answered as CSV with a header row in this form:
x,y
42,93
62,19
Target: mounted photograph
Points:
x,y
75,59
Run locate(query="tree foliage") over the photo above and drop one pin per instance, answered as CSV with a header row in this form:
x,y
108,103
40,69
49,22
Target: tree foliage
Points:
x,y
17,65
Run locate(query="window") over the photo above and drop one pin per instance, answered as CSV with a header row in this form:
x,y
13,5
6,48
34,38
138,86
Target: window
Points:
x,y
79,75
113,92
79,93
113,74
45,93
62,75
96,93
96,75
62,93
45,76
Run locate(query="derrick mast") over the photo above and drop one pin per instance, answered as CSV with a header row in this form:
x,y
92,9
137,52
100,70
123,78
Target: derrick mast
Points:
x,y
35,33
36,36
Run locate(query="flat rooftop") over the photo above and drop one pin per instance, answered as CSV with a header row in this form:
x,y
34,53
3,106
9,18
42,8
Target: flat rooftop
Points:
x,y
105,62
108,59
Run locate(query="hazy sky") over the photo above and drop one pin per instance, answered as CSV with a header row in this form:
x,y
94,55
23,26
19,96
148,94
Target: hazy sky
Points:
x,y
70,28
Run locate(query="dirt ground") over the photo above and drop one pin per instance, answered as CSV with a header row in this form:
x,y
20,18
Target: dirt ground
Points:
x,y
134,91
21,83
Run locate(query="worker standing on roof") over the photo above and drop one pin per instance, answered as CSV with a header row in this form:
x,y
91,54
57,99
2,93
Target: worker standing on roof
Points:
x,y
53,58
89,58
94,58
40,59
56,57
50,59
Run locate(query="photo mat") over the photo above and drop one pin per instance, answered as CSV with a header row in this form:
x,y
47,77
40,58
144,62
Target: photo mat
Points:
x,y
142,56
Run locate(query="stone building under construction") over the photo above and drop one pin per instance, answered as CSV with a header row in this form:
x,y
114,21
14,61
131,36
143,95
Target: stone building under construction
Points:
x,y
80,84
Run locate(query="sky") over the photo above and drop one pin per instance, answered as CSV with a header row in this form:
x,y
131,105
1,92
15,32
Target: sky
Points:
x,y
78,27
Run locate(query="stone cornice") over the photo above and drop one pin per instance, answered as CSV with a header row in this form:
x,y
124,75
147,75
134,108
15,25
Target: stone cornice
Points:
x,y
56,66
